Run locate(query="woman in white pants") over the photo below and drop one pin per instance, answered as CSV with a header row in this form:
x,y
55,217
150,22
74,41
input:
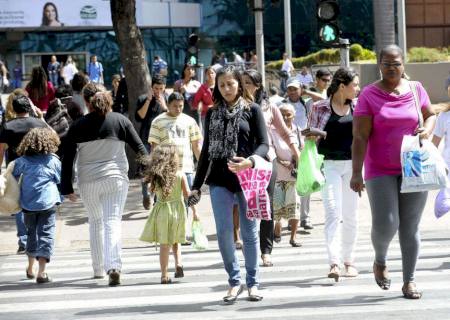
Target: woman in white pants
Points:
x,y
334,117
98,139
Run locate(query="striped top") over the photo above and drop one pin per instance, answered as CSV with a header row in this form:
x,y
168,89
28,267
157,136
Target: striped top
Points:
x,y
180,131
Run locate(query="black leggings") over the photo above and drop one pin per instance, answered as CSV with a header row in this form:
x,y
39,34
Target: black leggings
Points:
x,y
266,226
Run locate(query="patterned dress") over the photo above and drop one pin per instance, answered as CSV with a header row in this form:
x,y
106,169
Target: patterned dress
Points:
x,y
166,222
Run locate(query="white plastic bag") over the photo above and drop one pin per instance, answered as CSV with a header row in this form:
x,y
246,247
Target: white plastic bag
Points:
x,y
423,168
442,203
199,238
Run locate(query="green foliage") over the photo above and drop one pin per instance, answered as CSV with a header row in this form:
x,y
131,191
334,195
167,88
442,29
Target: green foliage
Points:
x,y
422,54
324,56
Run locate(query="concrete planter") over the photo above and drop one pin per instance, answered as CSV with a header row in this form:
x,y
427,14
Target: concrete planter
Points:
x,y
431,75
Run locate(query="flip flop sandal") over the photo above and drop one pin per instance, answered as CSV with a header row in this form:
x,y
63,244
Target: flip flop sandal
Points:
x,y
29,275
410,291
277,239
382,281
45,279
232,298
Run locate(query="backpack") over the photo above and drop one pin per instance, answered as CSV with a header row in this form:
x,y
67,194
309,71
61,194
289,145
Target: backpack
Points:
x,y
58,118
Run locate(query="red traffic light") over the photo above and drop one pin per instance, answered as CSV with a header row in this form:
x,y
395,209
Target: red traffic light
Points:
x,y
193,39
327,10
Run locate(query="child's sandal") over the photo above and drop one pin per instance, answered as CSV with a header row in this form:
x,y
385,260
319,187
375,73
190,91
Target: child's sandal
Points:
x,y
166,280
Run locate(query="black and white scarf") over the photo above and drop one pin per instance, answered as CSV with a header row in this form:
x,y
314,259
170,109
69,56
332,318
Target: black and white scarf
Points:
x,y
223,141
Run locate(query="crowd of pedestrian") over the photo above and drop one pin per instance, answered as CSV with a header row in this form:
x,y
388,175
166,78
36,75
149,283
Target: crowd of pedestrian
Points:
x,y
210,133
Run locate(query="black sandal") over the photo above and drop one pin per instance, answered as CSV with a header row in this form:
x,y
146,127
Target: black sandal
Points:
x,y
381,276
29,275
410,291
179,273
44,279
295,244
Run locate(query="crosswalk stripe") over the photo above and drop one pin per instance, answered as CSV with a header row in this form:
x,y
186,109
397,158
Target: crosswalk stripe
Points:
x,y
31,292
205,297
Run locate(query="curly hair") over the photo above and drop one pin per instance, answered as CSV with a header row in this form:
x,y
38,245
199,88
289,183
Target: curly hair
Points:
x,y
161,168
39,141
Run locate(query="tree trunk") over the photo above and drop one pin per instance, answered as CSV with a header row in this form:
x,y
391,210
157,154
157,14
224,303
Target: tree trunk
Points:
x,y
384,23
133,58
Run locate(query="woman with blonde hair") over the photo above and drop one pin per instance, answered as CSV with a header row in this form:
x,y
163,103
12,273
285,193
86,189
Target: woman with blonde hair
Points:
x,y
98,140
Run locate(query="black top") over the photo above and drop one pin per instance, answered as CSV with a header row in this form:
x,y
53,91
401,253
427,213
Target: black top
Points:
x,y
14,131
252,140
154,110
120,104
93,127
338,144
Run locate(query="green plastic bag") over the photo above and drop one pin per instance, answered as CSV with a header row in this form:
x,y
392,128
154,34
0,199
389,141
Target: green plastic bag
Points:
x,y
309,176
199,239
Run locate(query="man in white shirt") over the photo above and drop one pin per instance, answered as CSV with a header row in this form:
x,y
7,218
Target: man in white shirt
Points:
x,y
286,71
305,77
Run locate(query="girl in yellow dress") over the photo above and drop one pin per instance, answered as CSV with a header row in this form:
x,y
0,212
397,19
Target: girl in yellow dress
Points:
x,y
166,222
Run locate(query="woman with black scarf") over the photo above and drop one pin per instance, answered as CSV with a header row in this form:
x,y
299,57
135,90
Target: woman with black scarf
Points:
x,y
234,131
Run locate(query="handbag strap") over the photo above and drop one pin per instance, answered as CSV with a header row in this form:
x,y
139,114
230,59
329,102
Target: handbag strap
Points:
x,y
413,86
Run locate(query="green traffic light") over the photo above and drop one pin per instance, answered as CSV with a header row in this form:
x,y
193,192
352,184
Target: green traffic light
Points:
x,y
329,33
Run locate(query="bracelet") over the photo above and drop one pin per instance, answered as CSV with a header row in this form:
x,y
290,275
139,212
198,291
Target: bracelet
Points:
x,y
252,160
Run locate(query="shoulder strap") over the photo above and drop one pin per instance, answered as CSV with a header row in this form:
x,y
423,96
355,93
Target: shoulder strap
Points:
x,y
413,86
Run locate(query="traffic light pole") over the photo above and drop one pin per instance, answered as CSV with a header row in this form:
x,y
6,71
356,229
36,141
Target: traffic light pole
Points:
x,y
258,10
287,28
344,50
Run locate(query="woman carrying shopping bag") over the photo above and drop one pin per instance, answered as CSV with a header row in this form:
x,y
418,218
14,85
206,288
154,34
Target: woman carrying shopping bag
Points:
x,y
384,114
335,116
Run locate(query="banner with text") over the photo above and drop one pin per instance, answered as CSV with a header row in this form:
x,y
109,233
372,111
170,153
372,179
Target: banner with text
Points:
x,y
55,14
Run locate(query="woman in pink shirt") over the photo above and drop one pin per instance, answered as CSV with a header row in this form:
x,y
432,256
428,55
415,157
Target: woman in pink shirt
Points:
x,y
40,90
386,111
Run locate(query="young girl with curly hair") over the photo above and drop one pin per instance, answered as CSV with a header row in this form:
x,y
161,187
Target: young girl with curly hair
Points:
x,y
166,222
39,195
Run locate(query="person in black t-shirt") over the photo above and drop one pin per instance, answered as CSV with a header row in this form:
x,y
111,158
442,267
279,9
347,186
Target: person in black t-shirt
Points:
x,y
149,106
335,117
10,138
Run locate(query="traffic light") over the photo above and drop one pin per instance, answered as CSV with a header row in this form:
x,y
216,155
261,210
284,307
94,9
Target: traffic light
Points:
x,y
275,3
192,50
327,13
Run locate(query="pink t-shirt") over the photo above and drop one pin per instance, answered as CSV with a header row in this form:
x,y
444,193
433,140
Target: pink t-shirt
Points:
x,y
392,118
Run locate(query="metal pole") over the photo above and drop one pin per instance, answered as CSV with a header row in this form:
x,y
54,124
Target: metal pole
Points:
x,y
344,50
259,8
287,28
401,26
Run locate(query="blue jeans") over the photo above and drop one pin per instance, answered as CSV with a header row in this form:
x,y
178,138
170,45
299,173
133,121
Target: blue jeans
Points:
x,y
222,201
21,230
41,233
